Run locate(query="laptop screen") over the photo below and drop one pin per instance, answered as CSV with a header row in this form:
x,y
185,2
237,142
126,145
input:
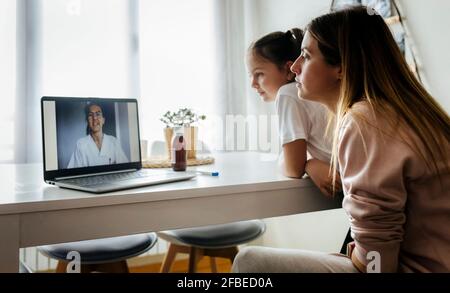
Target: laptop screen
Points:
x,y
91,133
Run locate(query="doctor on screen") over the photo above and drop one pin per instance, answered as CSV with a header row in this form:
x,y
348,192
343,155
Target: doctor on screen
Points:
x,y
96,148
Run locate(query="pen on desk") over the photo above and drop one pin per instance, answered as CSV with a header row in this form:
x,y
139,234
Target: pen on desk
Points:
x,y
214,173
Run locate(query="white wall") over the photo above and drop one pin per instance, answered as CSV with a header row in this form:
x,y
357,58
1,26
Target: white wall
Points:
x,y
287,14
428,22
320,231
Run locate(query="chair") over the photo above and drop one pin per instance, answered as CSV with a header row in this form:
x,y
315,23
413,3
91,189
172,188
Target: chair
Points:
x,y
107,255
213,241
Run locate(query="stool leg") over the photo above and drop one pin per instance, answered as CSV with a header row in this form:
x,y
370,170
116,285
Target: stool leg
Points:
x,y
61,267
229,252
169,258
233,251
195,254
213,264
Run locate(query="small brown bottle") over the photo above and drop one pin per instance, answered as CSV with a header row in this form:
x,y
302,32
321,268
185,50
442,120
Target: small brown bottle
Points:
x,y
179,160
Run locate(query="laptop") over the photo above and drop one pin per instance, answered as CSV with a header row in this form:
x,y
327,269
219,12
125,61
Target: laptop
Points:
x,y
93,145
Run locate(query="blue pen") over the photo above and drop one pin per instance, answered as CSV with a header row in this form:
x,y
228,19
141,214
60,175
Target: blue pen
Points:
x,y
214,173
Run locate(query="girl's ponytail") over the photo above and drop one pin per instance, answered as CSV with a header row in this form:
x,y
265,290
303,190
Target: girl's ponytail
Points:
x,y
297,34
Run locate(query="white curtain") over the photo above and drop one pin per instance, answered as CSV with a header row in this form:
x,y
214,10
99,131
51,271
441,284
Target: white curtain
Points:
x,y
237,25
27,130
7,77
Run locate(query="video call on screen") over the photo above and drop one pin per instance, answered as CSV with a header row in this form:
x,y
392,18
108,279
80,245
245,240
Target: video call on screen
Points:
x,y
90,133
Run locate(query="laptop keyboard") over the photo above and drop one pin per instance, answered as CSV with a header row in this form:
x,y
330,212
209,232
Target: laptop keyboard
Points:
x,y
109,178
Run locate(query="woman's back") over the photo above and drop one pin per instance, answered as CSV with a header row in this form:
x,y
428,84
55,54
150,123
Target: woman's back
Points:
x,y
399,207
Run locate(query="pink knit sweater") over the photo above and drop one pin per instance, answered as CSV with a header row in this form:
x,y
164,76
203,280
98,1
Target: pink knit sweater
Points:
x,y
397,206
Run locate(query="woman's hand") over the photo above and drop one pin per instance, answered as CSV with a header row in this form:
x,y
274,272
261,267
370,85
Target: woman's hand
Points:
x,y
319,173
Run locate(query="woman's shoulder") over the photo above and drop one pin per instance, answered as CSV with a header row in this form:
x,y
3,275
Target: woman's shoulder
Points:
x,y
360,108
363,113
372,121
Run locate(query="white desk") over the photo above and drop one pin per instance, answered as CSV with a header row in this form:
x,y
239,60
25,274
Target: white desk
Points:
x,y
249,186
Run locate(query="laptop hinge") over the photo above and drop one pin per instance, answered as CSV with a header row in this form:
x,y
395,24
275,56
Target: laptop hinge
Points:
x,y
94,174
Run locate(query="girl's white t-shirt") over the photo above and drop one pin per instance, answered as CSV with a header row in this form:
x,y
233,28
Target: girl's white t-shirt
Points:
x,y
303,119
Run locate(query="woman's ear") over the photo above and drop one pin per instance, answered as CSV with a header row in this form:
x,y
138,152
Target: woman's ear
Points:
x,y
288,66
290,75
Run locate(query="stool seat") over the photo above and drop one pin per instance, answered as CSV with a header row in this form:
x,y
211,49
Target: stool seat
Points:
x,y
103,250
216,236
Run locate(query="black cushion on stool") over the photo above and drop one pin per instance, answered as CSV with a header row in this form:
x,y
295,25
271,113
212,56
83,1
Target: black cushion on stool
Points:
x,y
103,250
218,236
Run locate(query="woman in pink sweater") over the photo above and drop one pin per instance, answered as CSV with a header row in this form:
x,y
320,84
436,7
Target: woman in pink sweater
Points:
x,y
391,147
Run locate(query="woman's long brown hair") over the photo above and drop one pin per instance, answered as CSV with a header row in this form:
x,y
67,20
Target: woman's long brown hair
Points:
x,y
374,70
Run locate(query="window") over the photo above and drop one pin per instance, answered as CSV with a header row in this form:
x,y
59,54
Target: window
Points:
x,y
176,57
86,48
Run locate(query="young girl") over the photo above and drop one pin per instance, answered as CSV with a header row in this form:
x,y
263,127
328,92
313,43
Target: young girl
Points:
x,y
392,146
302,123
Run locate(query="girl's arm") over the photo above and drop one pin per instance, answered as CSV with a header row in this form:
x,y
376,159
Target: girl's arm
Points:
x,y
293,123
294,159
319,171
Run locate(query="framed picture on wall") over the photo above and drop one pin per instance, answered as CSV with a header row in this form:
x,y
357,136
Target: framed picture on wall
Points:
x,y
342,4
382,7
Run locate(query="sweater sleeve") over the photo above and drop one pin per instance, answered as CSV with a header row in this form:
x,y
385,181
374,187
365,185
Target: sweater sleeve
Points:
x,y
372,167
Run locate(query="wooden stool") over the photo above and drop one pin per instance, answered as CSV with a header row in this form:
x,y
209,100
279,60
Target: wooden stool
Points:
x,y
107,255
213,241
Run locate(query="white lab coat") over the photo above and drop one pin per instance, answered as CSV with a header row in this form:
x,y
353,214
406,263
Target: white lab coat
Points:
x,y
87,154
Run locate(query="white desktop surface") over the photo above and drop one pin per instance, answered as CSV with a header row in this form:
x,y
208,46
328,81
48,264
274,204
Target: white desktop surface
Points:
x,y
249,186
